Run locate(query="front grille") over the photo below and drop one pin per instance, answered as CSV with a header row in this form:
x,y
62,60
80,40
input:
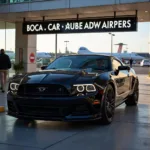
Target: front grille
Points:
x,y
53,110
43,111
80,110
42,90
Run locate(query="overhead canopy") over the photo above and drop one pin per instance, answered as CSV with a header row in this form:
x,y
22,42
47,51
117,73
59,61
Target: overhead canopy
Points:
x,y
85,12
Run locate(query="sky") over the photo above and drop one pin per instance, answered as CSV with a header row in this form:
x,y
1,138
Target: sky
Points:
x,y
96,42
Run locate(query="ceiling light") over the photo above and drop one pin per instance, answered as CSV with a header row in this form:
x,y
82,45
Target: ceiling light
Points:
x,y
141,19
146,11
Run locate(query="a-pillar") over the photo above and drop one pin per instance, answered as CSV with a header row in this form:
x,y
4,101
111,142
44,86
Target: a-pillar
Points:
x,y
25,49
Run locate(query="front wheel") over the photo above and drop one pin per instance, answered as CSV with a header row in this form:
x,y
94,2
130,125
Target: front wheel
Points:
x,y
108,105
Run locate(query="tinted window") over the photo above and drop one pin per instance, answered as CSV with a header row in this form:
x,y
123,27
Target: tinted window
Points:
x,y
115,64
81,62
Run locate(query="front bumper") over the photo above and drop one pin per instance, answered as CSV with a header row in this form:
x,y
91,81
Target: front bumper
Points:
x,y
79,108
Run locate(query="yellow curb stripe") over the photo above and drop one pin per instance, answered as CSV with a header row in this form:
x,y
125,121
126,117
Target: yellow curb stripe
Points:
x,y
2,109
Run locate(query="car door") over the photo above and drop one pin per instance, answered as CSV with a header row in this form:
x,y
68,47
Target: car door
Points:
x,y
122,80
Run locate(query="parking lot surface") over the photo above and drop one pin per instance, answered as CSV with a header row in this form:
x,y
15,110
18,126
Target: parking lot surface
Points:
x,y
130,130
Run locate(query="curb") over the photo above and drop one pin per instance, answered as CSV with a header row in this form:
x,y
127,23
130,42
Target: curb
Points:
x,y
2,109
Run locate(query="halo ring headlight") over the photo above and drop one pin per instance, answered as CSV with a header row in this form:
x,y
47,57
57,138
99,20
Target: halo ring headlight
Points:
x,y
85,87
80,88
90,88
14,86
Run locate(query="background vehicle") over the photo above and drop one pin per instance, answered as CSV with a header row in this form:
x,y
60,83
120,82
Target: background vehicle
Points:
x,y
74,88
145,62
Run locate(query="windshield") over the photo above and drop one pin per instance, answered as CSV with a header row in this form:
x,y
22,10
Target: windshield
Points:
x,y
81,62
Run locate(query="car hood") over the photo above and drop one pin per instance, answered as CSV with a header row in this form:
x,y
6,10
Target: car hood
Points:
x,y
59,77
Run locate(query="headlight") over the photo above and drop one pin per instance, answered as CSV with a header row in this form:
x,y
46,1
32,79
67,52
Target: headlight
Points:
x,y
85,87
90,88
14,86
80,88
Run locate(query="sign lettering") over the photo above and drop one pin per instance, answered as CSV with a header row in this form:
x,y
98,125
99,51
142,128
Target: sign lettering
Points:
x,y
81,26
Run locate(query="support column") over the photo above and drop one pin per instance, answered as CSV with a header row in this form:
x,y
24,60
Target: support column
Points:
x,y
28,45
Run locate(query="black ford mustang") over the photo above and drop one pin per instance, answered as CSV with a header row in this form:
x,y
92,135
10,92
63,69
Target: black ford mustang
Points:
x,y
74,88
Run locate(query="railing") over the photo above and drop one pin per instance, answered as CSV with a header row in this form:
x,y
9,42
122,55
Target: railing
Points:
x,y
13,1
3,2
25,1
16,1
75,3
19,1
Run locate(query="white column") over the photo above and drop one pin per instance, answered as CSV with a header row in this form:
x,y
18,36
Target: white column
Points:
x,y
28,44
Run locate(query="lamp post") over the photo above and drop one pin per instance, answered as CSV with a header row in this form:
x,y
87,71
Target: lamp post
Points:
x,y
112,42
66,45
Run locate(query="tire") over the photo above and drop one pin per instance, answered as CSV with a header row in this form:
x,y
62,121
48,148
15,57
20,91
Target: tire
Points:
x,y
108,105
133,99
24,122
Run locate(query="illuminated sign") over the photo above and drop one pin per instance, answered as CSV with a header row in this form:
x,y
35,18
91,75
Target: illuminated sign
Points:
x,y
81,26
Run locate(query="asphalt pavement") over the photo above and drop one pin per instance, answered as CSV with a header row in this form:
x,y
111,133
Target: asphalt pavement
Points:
x,y
130,130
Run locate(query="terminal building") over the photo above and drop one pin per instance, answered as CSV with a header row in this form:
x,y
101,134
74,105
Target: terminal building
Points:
x,y
18,14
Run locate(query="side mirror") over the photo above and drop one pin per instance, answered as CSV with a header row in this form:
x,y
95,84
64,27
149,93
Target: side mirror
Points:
x,y
43,67
123,68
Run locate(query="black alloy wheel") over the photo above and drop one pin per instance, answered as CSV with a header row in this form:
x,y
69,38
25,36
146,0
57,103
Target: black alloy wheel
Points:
x,y
108,106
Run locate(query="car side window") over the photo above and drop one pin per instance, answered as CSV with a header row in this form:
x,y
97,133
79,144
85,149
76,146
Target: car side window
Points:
x,y
115,64
97,64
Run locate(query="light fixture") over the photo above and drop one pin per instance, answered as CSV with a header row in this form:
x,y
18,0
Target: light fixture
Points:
x,y
80,88
14,86
146,11
88,87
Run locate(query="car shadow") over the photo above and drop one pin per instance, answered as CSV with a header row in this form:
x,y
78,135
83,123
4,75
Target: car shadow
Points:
x,y
56,125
